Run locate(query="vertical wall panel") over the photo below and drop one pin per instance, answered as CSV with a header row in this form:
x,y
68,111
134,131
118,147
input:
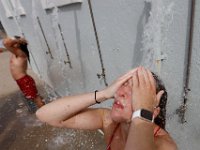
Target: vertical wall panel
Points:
x,y
78,32
118,30
120,27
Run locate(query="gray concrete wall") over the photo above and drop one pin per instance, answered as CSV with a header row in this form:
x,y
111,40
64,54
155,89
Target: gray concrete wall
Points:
x,y
152,33
191,130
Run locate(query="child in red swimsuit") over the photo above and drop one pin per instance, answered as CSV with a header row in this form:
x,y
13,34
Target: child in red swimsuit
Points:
x,y
18,67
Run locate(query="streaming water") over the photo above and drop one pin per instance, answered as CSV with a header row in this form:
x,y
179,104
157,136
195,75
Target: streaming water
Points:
x,y
154,36
66,138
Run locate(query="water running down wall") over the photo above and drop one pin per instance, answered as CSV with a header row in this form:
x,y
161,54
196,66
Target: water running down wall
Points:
x,y
152,33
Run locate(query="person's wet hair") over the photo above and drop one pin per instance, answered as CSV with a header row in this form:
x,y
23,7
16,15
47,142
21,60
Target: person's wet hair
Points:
x,y
24,47
160,120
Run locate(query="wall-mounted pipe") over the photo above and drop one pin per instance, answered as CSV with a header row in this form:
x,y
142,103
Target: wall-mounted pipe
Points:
x,y
40,25
65,46
181,111
103,74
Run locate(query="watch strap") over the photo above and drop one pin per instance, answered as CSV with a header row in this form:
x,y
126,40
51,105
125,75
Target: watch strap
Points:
x,y
143,114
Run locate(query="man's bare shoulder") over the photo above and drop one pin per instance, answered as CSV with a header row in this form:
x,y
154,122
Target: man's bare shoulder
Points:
x,y
165,142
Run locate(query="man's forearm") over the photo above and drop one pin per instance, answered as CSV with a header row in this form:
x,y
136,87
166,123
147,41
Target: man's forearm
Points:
x,y
140,135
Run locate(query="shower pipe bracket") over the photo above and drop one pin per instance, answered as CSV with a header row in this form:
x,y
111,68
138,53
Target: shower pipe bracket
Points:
x,y
181,113
161,57
102,76
182,109
66,62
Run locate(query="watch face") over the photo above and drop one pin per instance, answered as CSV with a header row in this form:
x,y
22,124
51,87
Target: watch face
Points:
x,y
147,114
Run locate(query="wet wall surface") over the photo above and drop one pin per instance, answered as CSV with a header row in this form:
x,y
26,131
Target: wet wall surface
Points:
x,y
127,31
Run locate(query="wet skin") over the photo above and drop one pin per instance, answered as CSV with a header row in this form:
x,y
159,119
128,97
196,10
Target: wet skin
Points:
x,y
18,66
19,62
122,108
121,114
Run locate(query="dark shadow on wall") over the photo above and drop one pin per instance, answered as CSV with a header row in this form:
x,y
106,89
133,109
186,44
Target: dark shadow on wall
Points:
x,y
2,31
1,27
138,54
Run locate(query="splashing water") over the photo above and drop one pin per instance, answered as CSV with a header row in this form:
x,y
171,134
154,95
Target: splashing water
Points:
x,y
154,36
75,139
59,44
58,58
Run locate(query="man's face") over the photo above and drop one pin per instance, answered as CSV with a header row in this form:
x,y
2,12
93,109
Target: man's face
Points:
x,y
122,108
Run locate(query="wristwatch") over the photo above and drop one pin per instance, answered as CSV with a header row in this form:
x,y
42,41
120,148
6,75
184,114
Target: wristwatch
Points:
x,y
143,114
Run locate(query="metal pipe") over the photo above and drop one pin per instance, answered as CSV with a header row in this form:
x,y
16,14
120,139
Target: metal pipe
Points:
x,y
102,75
186,89
67,53
49,50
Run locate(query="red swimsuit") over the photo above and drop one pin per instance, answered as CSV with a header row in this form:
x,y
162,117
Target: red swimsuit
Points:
x,y
27,86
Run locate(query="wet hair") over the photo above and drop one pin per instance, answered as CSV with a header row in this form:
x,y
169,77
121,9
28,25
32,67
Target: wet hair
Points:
x,y
160,120
24,47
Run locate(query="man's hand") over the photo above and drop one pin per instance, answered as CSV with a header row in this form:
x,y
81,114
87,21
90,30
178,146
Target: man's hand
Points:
x,y
144,90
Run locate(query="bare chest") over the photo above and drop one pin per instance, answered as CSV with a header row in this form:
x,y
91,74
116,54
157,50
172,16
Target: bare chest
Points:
x,y
17,61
